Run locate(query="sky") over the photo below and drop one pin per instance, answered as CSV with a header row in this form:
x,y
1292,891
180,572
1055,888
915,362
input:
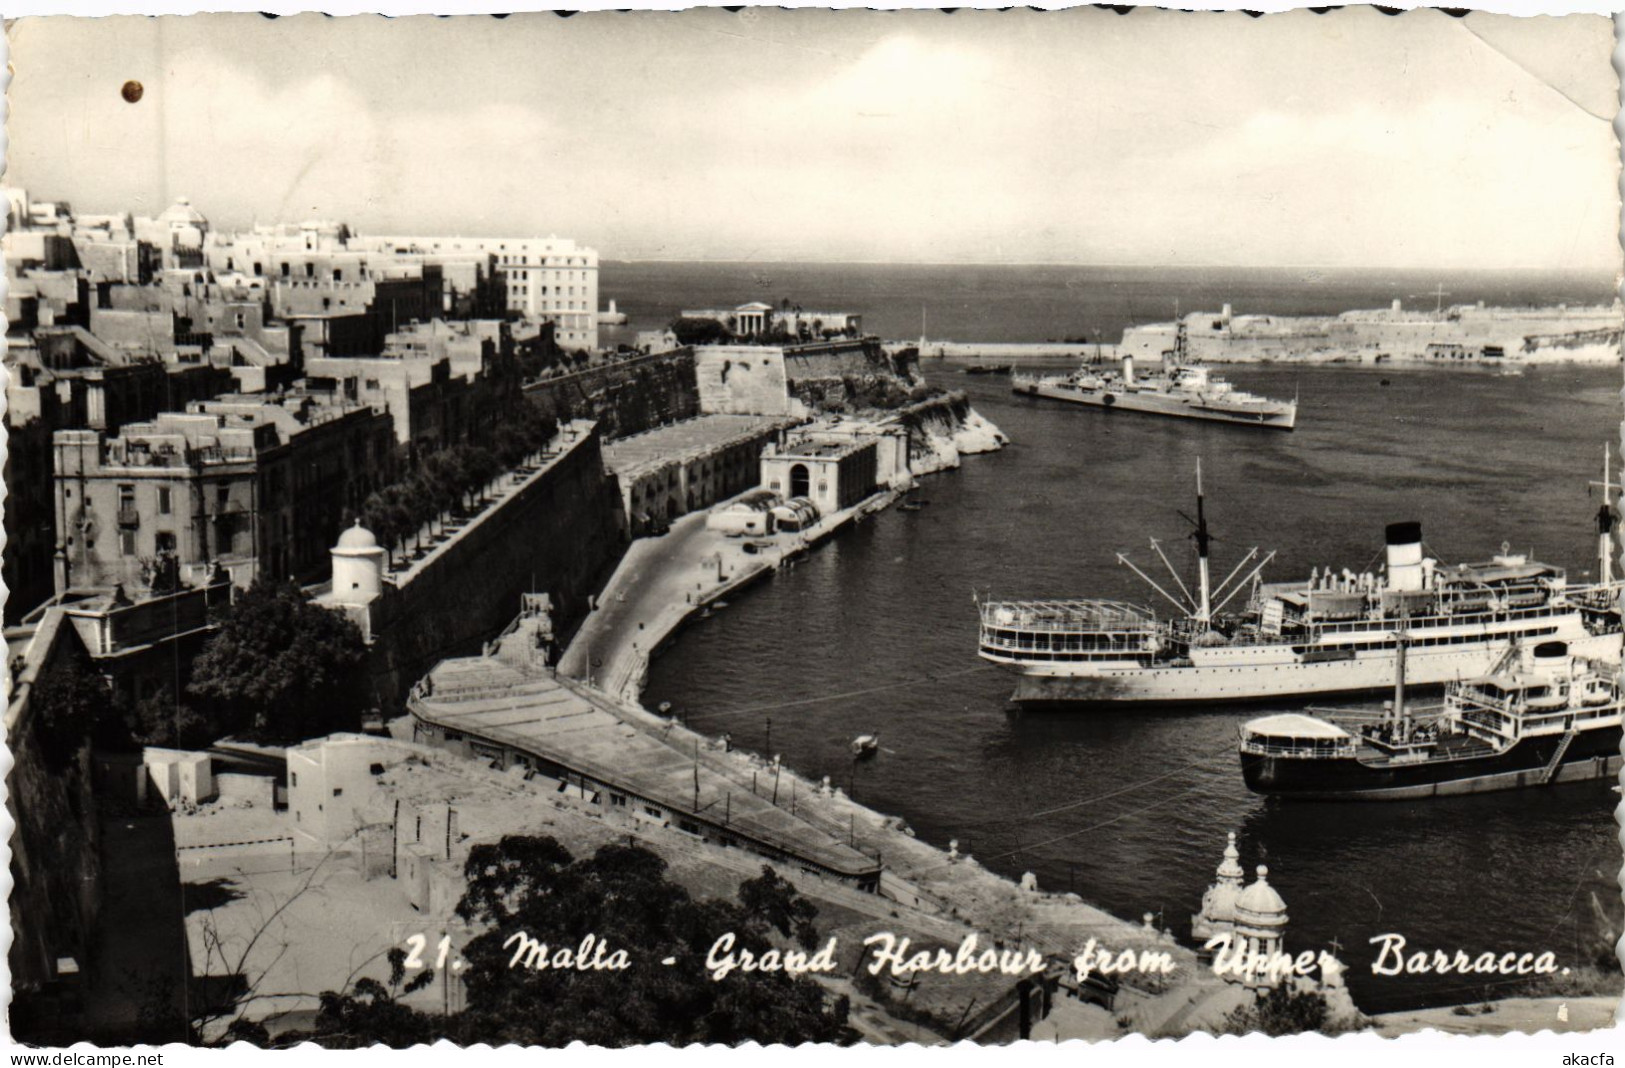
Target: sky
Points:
x,y
1352,139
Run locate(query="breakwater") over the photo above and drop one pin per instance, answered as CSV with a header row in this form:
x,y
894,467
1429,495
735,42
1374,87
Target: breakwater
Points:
x,y
999,353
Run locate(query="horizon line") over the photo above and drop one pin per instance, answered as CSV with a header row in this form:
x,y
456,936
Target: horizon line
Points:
x,y
1619,273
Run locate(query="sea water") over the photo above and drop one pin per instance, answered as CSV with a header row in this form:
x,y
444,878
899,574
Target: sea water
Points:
x,y
1130,808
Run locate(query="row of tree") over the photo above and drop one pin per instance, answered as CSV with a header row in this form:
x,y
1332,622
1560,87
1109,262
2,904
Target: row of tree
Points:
x,y
454,479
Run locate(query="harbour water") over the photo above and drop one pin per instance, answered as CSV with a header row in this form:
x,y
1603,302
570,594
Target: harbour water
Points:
x,y
1131,809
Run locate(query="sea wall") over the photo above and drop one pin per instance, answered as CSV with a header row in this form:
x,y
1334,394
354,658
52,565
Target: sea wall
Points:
x,y
560,534
944,428
1007,352
626,396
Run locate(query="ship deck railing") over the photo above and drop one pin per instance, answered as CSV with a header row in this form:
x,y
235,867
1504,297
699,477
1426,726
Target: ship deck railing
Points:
x,y
1082,616
1255,745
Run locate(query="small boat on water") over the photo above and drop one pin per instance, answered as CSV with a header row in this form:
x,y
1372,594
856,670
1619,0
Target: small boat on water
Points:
x,y
864,745
1542,716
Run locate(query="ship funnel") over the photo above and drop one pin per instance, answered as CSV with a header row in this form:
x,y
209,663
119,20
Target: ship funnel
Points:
x,y
1128,370
1405,556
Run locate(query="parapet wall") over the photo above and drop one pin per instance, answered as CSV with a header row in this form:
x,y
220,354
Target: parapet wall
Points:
x,y
625,397
560,535
55,869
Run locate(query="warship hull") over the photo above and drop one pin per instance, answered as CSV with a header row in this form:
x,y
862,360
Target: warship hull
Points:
x,y
1148,402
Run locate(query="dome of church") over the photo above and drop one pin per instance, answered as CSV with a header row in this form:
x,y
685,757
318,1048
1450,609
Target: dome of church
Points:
x,y
1259,905
182,212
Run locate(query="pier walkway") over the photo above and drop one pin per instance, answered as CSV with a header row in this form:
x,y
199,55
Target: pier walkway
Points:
x,y
661,581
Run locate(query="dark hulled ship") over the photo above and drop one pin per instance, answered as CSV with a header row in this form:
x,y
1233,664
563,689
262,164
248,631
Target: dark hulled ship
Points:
x,y
1542,716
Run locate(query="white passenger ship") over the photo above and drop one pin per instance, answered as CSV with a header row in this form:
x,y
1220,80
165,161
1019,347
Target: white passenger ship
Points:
x,y
1331,633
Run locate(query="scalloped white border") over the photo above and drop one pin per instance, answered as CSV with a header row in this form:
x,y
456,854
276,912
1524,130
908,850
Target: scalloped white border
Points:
x,y
1538,1050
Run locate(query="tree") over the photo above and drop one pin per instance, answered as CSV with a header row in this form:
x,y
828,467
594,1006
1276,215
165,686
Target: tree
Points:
x,y
700,331
1281,1012
281,668
370,1013
775,902
162,718
73,707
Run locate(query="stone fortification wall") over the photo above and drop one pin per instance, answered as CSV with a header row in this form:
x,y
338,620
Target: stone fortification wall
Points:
x,y
1532,334
742,380
559,535
835,360
55,869
624,397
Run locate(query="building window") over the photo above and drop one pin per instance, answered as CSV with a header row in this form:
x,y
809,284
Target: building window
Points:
x,y
338,791
163,500
165,541
287,270
338,275
293,778
310,270
126,542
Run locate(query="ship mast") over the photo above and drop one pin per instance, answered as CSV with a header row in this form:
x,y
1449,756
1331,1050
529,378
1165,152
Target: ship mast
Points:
x,y
1605,522
1400,636
1204,612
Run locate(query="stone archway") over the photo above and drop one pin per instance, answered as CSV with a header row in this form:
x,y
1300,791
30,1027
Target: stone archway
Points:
x,y
800,481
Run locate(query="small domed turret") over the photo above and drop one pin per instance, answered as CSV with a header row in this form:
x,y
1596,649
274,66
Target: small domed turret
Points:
x,y
357,537
358,567
1259,905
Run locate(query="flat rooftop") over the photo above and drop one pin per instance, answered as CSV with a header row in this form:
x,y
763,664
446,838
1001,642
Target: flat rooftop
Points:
x,y
823,450
485,698
690,439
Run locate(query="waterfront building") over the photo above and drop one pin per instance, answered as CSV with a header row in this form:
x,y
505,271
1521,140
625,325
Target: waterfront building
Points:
x,y
787,321
687,466
831,473
256,485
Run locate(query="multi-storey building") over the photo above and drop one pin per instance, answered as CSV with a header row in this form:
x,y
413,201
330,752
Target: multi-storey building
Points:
x,y
258,486
551,278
